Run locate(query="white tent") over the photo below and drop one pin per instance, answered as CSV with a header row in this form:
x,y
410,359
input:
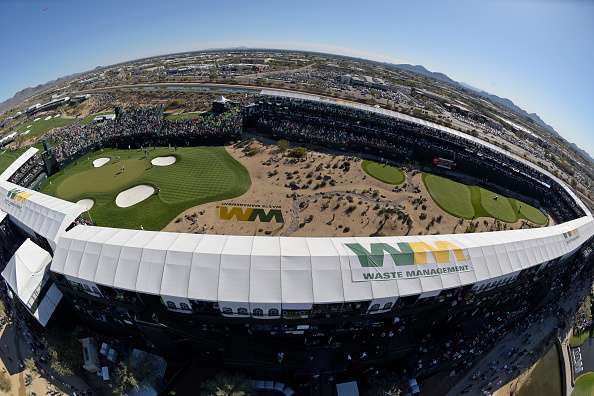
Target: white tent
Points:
x,y
20,161
37,212
25,274
245,273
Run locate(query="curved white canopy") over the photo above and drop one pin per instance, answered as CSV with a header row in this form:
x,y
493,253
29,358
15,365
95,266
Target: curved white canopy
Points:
x,y
298,272
47,216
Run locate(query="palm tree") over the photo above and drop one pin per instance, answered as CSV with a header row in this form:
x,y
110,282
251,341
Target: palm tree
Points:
x,y
225,384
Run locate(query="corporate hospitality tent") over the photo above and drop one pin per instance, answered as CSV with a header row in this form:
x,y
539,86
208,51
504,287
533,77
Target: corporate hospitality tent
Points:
x,y
270,274
26,275
36,212
20,161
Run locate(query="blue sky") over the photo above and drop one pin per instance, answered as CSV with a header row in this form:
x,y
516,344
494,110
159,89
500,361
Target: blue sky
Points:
x,y
540,54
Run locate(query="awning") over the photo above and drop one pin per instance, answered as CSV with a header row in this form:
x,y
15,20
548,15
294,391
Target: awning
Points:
x,y
25,274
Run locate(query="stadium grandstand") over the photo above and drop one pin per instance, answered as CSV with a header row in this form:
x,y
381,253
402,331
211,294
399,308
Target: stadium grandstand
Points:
x,y
295,307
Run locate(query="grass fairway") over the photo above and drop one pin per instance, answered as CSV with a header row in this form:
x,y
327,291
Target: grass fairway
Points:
x,y
382,172
497,206
200,175
40,127
584,385
453,197
472,202
545,378
7,157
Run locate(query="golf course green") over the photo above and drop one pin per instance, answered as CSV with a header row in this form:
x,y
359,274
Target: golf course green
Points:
x,y
584,385
199,175
382,172
471,202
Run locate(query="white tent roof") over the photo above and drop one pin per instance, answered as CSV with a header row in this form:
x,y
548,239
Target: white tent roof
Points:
x,y
2,216
20,161
298,272
25,270
47,216
25,274
48,305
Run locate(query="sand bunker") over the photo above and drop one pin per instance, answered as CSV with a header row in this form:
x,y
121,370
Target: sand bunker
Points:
x,y
134,195
99,162
48,118
86,203
164,161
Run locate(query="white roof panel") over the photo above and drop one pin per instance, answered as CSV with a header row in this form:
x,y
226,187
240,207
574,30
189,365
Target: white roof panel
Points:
x,y
265,272
204,274
296,278
178,264
48,216
17,163
25,271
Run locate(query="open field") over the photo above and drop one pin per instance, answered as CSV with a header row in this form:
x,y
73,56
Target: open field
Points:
x,y
40,127
584,385
200,175
386,173
472,202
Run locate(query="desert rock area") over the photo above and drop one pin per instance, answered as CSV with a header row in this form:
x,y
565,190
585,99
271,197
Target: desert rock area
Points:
x,y
323,193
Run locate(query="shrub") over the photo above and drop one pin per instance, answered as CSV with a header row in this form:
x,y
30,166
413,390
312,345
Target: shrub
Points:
x,y
5,384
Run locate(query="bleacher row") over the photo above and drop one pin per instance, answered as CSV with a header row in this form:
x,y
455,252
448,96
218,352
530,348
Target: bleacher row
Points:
x,y
404,142
28,173
138,127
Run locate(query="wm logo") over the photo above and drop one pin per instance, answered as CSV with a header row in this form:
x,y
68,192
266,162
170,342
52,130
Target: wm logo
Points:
x,y
413,253
18,195
250,214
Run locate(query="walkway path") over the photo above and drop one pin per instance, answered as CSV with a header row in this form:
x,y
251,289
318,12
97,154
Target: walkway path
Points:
x,y
518,350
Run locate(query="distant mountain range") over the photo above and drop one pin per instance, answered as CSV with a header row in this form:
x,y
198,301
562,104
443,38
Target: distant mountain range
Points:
x,y
504,102
26,93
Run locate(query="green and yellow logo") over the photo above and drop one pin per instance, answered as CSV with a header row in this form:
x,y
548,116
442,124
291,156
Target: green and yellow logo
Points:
x,y
571,235
405,255
18,196
250,214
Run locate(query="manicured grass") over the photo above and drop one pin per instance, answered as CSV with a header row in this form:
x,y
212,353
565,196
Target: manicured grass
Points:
x,y
200,175
182,116
7,157
40,127
382,172
497,206
579,340
472,202
584,385
453,197
529,213
545,379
